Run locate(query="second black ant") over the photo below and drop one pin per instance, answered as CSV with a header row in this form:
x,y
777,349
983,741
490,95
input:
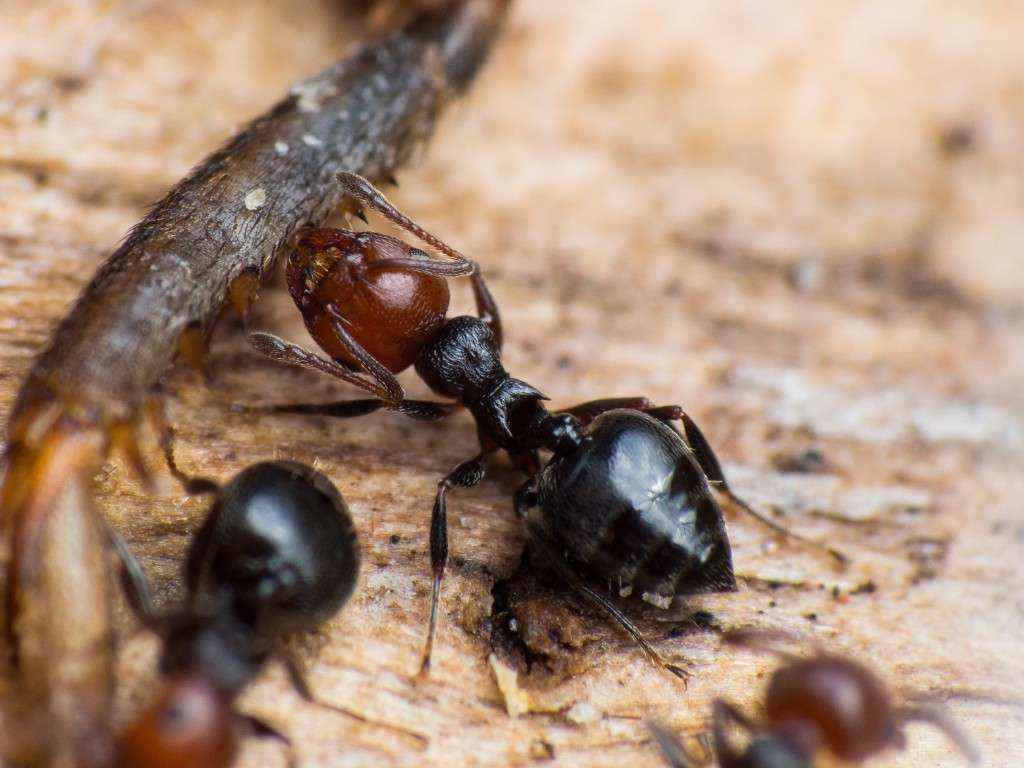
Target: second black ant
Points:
x,y
277,554
625,497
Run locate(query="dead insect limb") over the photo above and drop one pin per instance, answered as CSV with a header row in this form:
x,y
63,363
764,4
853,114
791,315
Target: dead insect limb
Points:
x,y
366,114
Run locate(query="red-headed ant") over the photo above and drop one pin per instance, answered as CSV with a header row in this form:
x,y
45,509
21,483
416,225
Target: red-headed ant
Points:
x,y
822,704
625,496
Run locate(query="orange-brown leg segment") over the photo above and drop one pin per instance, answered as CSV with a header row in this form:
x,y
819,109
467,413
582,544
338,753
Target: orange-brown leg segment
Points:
x,y
194,349
243,292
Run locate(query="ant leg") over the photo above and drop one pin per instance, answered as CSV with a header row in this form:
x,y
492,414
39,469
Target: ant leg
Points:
x,y
298,681
944,723
133,579
363,191
487,307
420,410
526,498
262,729
672,748
708,461
724,713
762,641
599,600
590,410
467,474
157,416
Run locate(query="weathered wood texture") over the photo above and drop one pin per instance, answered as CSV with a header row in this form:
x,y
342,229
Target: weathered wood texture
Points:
x,y
802,220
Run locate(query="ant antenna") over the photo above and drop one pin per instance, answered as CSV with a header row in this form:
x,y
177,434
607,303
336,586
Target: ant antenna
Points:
x,y
363,191
762,641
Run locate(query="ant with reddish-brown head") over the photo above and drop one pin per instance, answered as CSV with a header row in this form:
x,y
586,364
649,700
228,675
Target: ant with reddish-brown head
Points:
x,y
825,703
625,496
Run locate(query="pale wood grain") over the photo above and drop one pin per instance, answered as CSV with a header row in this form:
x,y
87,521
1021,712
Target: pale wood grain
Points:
x,y
743,207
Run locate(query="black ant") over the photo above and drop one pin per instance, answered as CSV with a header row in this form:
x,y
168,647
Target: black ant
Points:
x,y
277,554
825,703
624,497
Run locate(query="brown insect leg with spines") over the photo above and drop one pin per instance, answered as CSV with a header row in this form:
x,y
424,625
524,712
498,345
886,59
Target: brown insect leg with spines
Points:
x,y
824,703
88,391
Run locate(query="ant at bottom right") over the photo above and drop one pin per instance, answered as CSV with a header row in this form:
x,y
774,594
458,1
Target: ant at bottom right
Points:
x,y
824,704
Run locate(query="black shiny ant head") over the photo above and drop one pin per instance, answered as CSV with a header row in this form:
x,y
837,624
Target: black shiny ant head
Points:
x,y
277,554
279,546
462,361
632,506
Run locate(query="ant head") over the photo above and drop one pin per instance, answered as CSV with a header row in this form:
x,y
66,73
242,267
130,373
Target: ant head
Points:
x,y
463,361
214,647
279,548
362,280
189,724
832,702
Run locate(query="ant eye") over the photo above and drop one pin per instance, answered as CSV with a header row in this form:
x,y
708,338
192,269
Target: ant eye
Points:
x,y
172,717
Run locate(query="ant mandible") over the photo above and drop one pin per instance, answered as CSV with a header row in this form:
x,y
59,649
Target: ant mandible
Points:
x,y
824,703
278,553
624,497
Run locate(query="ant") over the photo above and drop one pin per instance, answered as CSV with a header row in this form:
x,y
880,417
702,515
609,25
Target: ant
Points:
x,y
277,554
825,703
625,496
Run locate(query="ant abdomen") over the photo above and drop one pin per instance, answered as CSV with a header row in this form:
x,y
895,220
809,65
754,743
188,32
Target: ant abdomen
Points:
x,y
632,506
280,547
834,703
358,279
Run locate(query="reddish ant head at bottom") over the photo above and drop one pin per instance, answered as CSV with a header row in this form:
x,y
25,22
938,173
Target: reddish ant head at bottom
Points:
x,y
190,724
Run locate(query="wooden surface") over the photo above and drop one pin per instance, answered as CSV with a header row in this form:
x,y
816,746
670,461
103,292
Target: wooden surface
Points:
x,y
804,221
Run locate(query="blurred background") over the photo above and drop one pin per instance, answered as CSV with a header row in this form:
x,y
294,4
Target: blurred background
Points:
x,y
802,220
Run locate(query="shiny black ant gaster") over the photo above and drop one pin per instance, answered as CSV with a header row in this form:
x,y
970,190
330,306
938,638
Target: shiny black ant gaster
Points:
x,y
623,498
822,704
277,554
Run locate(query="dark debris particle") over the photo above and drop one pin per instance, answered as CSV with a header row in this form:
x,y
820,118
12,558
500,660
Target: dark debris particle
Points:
x,y
867,588
811,616
957,140
542,750
395,538
703,619
563,362
809,461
